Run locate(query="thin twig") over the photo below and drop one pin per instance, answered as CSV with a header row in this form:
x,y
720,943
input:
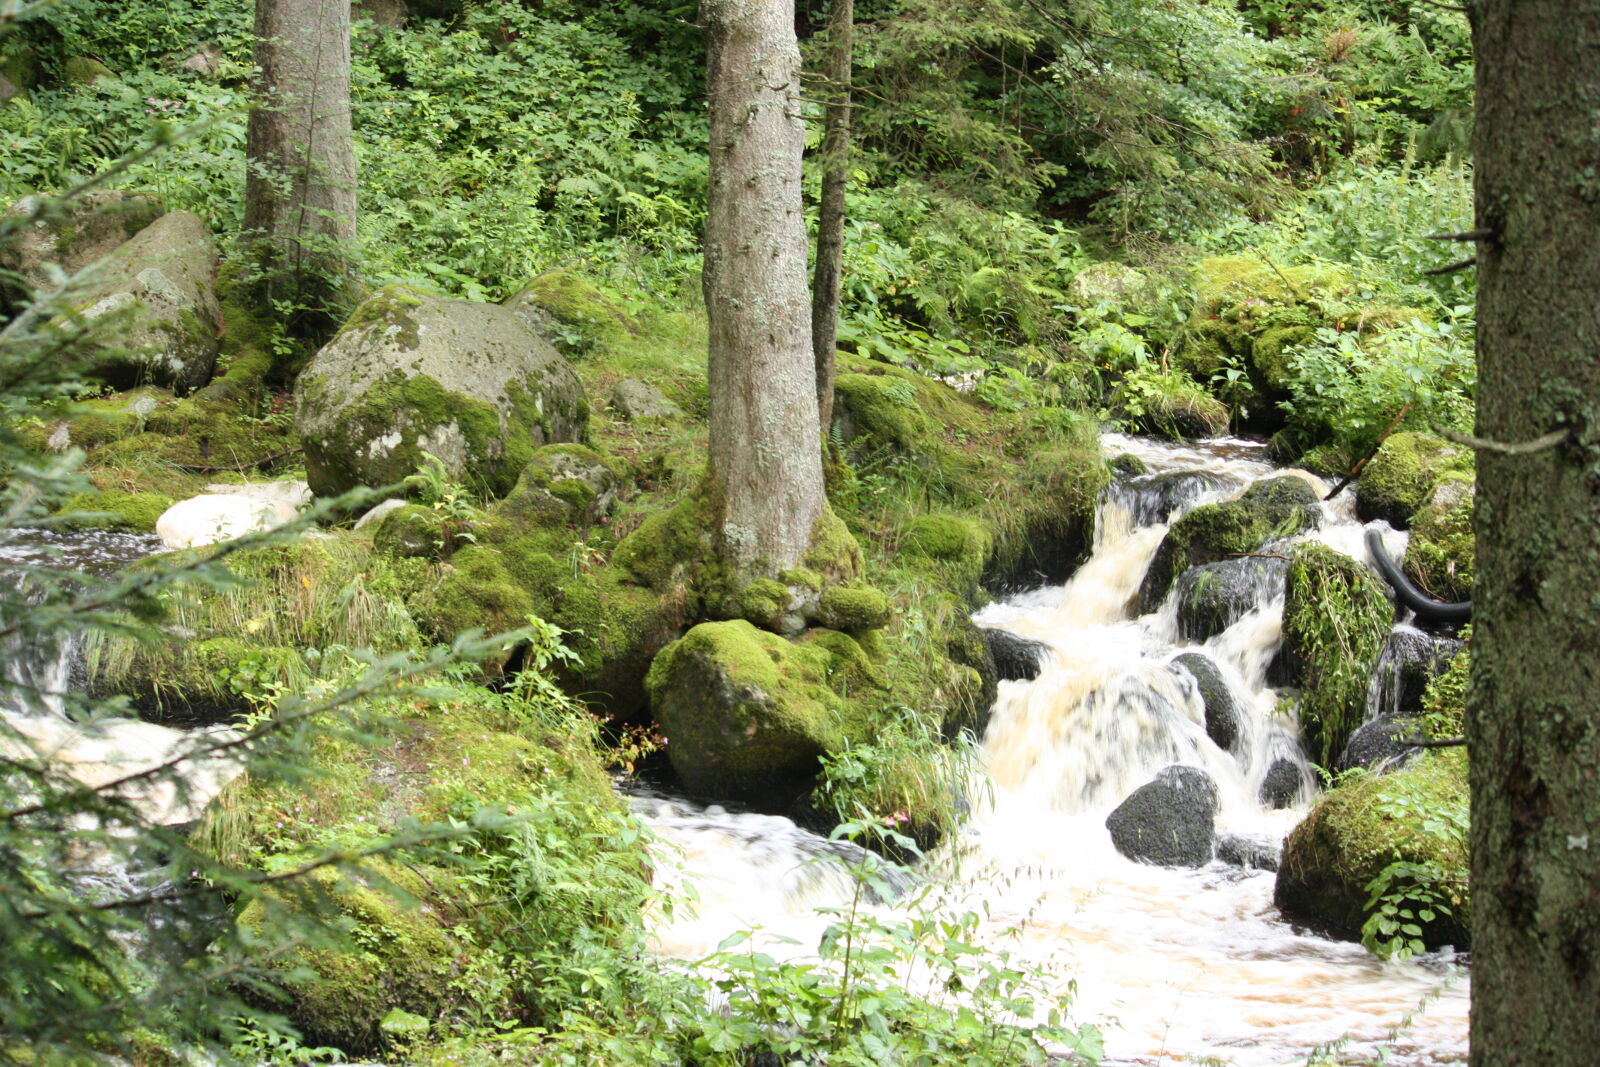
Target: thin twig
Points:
x,y
1469,235
1452,268
1483,444
1357,469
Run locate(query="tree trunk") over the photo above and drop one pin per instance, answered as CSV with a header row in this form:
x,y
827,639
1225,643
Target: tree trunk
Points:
x,y
1534,708
766,464
300,184
830,219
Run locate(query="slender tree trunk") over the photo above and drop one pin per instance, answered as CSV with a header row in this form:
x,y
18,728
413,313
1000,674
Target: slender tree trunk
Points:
x,y
300,186
766,466
1534,708
830,219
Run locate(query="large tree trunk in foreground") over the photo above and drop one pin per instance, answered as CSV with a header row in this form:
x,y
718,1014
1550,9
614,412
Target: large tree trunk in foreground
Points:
x,y
830,218
1534,710
300,188
766,463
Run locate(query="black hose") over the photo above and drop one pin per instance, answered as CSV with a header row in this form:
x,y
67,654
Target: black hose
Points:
x,y
1424,605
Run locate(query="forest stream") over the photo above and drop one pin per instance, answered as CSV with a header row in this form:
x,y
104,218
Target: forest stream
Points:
x,y
1175,965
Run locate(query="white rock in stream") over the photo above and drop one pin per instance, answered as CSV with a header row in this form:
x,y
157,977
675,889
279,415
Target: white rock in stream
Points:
x,y
228,511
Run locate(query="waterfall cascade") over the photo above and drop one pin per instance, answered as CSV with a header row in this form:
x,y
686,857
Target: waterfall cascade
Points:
x,y
1177,964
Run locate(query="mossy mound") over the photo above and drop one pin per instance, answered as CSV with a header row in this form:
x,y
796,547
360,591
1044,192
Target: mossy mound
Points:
x,y
108,509
575,314
1335,621
1173,406
1269,510
291,602
1357,830
1396,481
401,955
568,484
962,544
747,713
474,592
1247,312
413,531
1441,554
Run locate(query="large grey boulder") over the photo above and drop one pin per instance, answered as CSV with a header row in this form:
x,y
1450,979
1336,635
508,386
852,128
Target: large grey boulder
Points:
x,y
86,229
164,279
413,373
1169,821
1016,659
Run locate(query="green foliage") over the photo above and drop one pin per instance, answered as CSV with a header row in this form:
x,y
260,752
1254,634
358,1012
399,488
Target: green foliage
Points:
x,y
1413,891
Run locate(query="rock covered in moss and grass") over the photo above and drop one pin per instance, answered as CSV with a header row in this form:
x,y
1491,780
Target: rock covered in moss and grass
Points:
x,y
412,373
1376,745
1336,619
78,233
959,543
1224,718
1441,555
1214,596
1396,482
113,509
1358,829
474,592
747,713
572,312
161,283
1170,405
1169,821
1269,510
568,484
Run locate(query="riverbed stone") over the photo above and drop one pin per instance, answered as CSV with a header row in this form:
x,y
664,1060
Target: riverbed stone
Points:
x,y
1169,821
1224,718
1409,661
1214,596
1270,510
1016,659
1281,785
1375,746
1248,852
413,374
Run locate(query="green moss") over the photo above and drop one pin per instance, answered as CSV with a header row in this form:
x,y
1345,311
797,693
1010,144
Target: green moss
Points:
x,y
1360,828
388,308
566,485
855,608
1397,480
764,601
832,552
1271,351
474,591
398,955
1442,553
112,510
658,553
82,70
744,711
1335,621
413,531
1171,406
585,315
1444,702
883,408
1129,464
1268,510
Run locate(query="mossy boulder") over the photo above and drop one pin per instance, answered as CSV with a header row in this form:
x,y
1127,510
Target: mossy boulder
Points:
x,y
72,236
412,373
1397,480
854,608
1269,510
399,954
1336,619
883,408
572,312
1359,829
161,285
413,531
961,545
567,484
1442,554
745,712
474,591
1172,405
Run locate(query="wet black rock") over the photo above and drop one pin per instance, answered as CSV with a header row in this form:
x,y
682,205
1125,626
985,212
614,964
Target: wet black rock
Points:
x,y
1375,746
1153,498
1223,716
1214,596
1016,659
1250,853
1280,788
1168,821
1409,661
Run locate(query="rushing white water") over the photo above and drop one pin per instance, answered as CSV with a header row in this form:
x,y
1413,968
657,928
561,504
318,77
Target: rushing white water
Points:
x,y
1177,965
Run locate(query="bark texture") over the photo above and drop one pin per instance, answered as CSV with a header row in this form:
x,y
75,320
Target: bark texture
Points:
x,y
300,187
1534,708
766,464
830,218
